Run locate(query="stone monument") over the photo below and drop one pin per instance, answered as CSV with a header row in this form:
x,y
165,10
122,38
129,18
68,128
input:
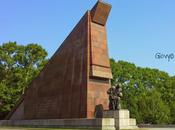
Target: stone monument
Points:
x,y
71,90
75,80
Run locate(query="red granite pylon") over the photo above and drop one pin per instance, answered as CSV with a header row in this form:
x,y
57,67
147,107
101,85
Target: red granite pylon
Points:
x,y
76,78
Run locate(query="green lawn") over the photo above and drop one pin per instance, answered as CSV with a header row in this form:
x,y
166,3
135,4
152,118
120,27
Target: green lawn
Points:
x,y
24,128
27,128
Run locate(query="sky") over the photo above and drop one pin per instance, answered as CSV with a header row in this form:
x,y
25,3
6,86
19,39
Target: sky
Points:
x,y
139,31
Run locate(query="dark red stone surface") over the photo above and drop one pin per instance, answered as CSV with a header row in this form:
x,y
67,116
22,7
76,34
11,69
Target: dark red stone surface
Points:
x,y
100,12
60,90
77,77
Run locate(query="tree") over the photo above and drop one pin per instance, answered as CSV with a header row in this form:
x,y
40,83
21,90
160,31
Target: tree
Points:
x,y
153,109
147,93
19,64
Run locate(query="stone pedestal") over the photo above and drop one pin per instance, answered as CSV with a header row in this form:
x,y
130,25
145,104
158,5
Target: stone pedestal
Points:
x,y
122,119
108,124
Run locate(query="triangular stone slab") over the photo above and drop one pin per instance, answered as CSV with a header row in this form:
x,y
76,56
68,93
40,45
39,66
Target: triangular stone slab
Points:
x,y
74,82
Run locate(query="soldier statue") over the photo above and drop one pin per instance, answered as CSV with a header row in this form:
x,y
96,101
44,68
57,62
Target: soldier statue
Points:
x,y
115,94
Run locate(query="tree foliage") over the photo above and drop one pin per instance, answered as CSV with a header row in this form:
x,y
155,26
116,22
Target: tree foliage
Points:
x,y
149,94
19,64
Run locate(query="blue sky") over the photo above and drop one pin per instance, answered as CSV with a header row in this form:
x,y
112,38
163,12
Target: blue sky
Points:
x,y
137,29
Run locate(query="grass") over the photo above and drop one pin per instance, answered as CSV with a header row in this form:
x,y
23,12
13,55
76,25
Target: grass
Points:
x,y
27,128
23,128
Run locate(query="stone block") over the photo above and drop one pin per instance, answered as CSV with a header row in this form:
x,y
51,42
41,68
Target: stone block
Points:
x,y
108,124
122,122
100,12
108,121
122,119
124,114
118,114
132,122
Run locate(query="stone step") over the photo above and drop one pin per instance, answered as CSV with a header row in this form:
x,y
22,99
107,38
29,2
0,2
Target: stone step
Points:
x,y
108,124
132,122
123,113
122,122
125,122
128,127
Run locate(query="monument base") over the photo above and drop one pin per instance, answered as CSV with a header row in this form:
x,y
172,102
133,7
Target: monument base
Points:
x,y
122,119
99,123
112,120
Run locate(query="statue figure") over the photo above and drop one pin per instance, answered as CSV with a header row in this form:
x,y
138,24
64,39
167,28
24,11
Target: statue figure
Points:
x,y
119,95
115,94
112,98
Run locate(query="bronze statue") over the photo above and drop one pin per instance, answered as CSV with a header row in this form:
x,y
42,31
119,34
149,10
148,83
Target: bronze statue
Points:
x,y
115,94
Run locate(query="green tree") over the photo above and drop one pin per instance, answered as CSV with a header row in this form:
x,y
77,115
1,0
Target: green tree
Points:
x,y
19,64
153,109
172,99
147,93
